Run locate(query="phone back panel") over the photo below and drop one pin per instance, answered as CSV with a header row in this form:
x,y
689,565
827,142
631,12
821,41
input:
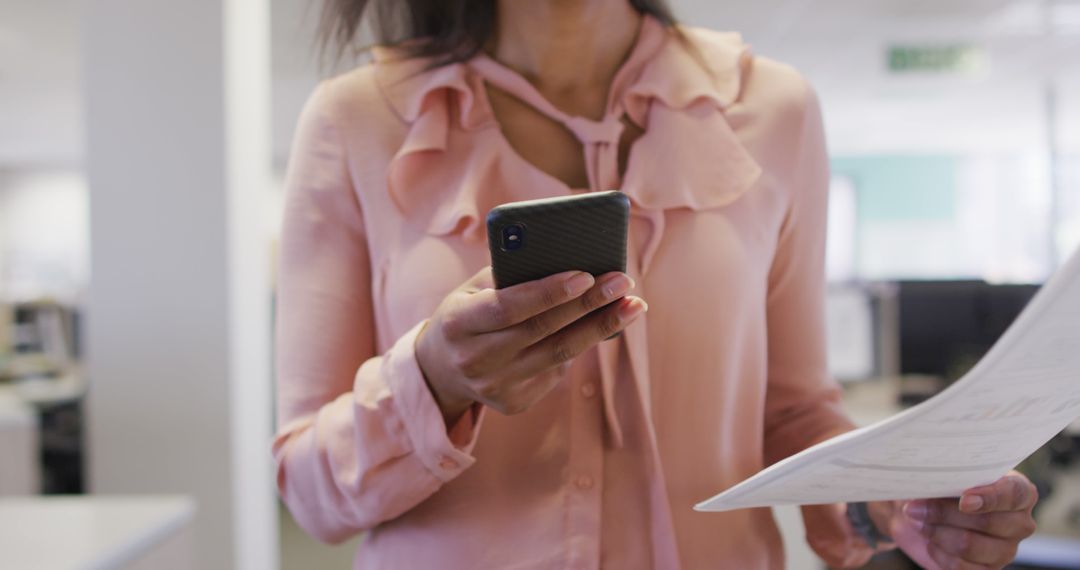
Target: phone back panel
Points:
x,y
584,232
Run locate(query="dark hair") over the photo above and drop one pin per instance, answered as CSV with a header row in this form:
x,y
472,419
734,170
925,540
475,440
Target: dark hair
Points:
x,y
448,30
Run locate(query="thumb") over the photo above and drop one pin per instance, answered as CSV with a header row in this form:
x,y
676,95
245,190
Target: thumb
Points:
x,y
480,280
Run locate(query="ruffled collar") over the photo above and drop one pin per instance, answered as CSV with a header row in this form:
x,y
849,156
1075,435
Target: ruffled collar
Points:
x,y
695,65
690,64
411,86
454,165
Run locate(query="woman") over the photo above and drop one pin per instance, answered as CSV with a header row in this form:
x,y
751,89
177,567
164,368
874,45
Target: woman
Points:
x,y
471,428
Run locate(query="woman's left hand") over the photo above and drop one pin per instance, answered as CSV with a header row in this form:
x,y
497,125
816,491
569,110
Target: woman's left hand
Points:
x,y
981,530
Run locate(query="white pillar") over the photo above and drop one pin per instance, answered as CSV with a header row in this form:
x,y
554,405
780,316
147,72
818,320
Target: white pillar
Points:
x,y
177,329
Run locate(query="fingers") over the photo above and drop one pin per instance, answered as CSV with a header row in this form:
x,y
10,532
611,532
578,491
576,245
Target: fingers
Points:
x,y
958,539
608,288
487,310
1009,525
580,336
539,362
969,547
1013,492
500,346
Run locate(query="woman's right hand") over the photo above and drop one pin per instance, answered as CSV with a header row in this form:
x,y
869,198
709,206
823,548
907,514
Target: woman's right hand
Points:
x,y
494,346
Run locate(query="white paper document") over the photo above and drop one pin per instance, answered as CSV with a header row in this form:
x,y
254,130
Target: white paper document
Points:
x,y
1023,392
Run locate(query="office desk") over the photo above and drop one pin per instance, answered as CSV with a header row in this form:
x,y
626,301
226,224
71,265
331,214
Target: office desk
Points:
x,y
40,434
19,447
46,391
96,532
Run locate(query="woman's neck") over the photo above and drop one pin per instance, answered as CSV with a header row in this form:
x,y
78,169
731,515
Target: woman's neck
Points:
x,y
565,45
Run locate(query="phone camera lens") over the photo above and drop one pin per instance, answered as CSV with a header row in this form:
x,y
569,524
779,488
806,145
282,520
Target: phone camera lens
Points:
x,y
513,237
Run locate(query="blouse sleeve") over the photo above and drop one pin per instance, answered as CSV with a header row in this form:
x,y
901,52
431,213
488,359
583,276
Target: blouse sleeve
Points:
x,y
360,439
803,402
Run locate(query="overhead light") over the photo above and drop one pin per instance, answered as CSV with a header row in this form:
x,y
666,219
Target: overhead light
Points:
x,y
1023,17
1065,17
1034,17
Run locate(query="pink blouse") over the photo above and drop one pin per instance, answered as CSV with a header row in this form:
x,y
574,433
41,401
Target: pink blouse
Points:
x,y
393,169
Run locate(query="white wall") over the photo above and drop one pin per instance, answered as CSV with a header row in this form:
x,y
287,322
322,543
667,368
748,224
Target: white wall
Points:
x,y
177,121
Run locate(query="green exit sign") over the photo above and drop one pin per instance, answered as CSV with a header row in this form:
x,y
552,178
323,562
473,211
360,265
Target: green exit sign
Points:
x,y
937,59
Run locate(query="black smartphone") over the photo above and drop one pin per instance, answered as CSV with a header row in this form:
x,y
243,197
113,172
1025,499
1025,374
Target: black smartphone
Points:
x,y
536,238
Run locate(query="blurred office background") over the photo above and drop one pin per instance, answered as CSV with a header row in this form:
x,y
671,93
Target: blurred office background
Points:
x,y
142,149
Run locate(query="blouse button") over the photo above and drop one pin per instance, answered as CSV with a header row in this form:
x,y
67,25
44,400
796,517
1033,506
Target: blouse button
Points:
x,y
447,463
588,390
584,482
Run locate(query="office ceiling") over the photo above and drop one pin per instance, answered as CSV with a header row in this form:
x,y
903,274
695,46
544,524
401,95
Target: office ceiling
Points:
x,y
839,44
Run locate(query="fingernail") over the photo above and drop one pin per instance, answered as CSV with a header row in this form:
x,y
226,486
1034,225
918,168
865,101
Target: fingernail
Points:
x,y
971,503
579,283
617,287
632,309
916,510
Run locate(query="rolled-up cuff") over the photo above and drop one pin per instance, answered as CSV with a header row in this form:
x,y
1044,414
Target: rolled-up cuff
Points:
x,y
446,453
